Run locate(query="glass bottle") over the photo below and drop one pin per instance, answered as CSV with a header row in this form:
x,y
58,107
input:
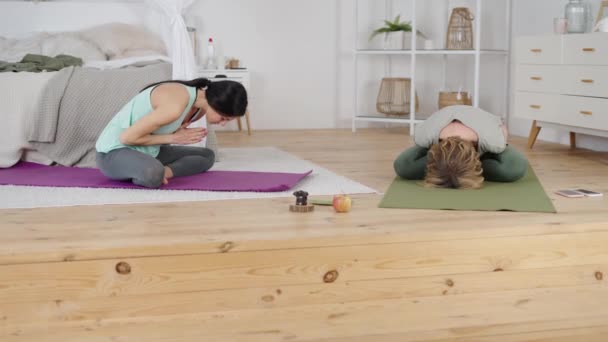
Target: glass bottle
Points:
x,y
577,13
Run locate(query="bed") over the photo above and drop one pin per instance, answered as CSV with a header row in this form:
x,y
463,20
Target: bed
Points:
x,y
55,116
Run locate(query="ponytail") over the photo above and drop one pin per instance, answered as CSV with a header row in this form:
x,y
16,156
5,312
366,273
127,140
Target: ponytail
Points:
x,y
226,97
198,83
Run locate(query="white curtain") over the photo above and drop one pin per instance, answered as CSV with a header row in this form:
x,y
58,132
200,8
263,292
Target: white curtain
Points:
x,y
176,36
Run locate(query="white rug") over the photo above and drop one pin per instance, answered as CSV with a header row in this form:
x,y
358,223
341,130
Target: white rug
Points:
x,y
264,159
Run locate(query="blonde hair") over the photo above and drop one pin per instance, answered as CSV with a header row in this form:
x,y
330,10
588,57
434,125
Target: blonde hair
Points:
x,y
453,163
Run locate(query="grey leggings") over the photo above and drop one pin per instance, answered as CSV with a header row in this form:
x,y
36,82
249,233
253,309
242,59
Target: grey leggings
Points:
x,y
147,171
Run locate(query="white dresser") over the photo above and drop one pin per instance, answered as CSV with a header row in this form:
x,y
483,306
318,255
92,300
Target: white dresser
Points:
x,y
561,81
237,75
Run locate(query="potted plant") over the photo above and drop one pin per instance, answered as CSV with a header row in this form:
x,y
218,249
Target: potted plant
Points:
x,y
397,34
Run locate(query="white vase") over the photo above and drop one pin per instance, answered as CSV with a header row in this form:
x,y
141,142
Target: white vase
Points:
x,y
399,40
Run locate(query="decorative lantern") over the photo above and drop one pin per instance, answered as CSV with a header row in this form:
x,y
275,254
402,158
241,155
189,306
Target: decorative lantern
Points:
x,y
460,30
394,96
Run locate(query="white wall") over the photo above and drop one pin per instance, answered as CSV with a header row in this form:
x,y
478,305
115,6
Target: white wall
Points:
x,y
533,17
290,48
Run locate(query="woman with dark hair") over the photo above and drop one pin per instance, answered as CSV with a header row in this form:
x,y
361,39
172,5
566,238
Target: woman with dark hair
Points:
x,y
138,144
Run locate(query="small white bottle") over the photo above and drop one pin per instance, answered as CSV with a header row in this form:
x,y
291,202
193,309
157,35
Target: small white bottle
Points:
x,y
211,55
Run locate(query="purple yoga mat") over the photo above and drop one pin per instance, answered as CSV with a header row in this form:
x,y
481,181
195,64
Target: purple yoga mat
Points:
x,y
73,177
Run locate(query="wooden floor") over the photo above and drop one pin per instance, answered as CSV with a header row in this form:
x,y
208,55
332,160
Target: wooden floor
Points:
x,y
249,270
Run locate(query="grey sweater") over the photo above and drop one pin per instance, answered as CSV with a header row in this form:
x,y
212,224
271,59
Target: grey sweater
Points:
x,y
486,125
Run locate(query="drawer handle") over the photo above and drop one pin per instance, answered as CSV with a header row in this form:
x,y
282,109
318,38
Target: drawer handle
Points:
x,y
535,106
536,78
536,50
587,81
584,112
589,49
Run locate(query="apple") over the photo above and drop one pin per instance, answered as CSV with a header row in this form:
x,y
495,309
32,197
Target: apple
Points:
x,y
342,203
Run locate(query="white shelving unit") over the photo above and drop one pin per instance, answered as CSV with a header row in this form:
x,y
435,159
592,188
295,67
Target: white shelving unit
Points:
x,y
477,52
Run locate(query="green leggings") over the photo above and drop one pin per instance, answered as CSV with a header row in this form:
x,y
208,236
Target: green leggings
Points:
x,y
508,166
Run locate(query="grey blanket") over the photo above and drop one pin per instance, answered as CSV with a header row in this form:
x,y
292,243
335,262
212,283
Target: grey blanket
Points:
x,y
77,105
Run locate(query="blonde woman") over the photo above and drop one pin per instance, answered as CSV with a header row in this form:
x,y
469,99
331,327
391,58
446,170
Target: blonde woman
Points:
x,y
460,147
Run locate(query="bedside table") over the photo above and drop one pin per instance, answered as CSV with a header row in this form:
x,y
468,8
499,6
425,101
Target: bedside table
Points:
x,y
237,75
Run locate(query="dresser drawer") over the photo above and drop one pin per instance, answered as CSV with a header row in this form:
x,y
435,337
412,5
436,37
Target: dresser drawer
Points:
x,y
540,78
584,49
585,80
587,112
539,50
537,106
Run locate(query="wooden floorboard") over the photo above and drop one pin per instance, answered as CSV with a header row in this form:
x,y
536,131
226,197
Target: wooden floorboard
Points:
x,y
250,270
431,317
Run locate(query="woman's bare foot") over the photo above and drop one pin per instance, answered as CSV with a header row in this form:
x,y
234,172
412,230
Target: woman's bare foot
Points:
x,y
168,175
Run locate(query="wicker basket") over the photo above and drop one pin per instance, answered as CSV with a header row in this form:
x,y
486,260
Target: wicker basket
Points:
x,y
460,30
451,98
394,96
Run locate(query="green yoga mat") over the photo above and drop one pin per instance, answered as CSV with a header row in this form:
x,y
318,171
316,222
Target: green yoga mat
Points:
x,y
527,194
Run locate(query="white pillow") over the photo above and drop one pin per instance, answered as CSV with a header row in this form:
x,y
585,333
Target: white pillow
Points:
x,y
118,40
71,44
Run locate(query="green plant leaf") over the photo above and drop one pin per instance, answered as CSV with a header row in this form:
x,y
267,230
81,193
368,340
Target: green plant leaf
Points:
x,y
395,26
